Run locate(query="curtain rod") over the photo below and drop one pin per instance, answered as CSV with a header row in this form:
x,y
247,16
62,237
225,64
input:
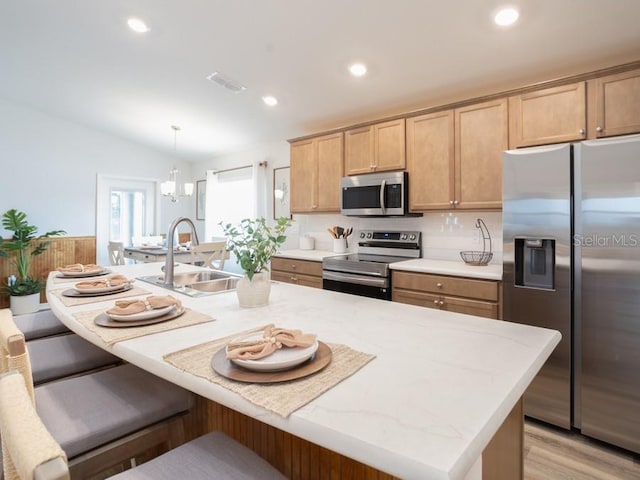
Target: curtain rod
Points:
x,y
261,164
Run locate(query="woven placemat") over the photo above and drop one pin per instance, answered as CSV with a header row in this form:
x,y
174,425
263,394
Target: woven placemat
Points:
x,y
281,398
114,335
73,301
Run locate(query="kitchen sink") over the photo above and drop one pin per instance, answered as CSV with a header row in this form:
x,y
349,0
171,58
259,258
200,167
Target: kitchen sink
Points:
x,y
197,283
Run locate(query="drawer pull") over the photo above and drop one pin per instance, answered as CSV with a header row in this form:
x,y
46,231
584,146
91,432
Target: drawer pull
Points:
x,y
294,279
435,302
293,265
439,285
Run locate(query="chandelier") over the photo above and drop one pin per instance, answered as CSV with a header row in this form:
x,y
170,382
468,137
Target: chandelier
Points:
x,y
172,188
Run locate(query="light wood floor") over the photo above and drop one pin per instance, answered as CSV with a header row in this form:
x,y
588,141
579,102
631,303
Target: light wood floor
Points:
x,y
555,454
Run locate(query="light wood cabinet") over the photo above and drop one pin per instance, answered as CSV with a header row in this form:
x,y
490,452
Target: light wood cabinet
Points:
x,y
550,115
375,148
299,272
453,294
614,104
316,170
454,157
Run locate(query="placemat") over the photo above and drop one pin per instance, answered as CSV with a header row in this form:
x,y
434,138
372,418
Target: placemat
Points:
x,y
73,301
281,398
114,335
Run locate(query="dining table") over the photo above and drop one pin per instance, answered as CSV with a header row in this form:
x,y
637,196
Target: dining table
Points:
x,y
412,392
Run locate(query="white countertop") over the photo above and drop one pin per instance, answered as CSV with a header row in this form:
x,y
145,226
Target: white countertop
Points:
x,y
447,267
419,265
440,386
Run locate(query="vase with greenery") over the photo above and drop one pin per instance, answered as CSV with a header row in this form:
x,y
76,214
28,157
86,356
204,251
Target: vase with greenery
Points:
x,y
21,248
253,243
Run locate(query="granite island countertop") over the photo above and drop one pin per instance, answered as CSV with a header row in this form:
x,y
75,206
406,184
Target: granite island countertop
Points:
x,y
425,408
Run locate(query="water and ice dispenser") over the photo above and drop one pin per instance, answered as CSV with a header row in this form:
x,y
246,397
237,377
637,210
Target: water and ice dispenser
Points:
x,y
535,263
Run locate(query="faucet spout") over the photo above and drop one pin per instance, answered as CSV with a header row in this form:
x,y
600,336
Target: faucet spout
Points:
x,y
168,265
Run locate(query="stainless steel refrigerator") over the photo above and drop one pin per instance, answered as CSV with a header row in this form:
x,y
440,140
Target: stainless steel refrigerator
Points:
x,y
571,233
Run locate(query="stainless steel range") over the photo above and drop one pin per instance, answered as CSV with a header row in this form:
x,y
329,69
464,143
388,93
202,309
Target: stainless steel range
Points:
x,y
367,272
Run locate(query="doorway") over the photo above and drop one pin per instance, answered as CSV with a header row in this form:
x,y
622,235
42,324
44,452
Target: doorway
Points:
x,y
126,208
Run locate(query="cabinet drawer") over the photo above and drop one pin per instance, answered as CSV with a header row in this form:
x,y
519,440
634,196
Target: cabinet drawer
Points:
x,y
296,278
449,304
419,299
444,285
307,267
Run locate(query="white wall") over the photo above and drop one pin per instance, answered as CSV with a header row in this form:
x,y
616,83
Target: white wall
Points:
x,y
48,169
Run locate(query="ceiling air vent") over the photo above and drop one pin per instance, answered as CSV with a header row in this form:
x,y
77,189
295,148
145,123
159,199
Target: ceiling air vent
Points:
x,y
226,82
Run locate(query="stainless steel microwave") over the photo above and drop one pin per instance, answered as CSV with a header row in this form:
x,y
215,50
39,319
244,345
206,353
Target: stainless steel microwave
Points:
x,y
375,194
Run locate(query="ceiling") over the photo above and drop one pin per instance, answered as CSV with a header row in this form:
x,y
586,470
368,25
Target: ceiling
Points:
x,y
78,60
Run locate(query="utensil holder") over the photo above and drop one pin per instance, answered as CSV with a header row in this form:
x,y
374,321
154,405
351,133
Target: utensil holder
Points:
x,y
339,245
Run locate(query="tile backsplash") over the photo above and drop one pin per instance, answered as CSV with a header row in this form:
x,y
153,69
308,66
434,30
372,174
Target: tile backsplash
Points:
x,y
444,234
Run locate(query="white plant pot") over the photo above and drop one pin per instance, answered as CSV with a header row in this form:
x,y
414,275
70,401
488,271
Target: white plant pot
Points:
x,y
255,292
25,304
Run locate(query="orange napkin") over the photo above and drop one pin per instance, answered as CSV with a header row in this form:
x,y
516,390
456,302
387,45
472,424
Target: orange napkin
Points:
x,y
110,281
80,268
273,338
130,307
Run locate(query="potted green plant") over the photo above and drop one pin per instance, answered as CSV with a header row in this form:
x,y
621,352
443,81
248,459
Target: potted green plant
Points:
x,y
23,289
253,243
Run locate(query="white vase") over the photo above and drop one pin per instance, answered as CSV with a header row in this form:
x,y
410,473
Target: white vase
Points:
x,y
255,292
25,303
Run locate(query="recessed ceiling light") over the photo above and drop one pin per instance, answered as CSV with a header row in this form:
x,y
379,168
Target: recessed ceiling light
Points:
x,y
137,25
358,69
270,100
506,16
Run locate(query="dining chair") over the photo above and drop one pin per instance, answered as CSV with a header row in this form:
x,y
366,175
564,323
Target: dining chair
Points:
x,y
103,418
210,254
116,253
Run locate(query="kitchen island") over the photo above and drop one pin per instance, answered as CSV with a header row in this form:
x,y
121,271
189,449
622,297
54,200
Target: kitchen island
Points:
x,y
439,388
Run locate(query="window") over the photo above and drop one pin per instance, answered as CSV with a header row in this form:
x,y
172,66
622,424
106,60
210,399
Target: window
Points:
x,y
230,198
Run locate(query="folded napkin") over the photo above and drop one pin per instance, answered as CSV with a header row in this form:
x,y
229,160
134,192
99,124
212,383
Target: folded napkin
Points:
x,y
130,307
110,281
273,338
80,268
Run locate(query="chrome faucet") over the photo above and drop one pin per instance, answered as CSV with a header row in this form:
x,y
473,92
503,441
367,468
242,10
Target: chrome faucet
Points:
x,y
168,265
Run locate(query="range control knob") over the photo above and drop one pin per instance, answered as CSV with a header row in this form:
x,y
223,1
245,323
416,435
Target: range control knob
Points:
x,y
369,235
361,234
404,236
412,237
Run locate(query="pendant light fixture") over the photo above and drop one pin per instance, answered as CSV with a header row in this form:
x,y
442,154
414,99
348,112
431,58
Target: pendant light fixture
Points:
x,y
171,188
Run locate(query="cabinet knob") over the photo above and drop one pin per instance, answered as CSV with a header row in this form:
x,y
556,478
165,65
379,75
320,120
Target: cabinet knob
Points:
x,y
294,279
456,202
581,132
435,302
293,265
439,285
441,302
450,202
314,206
599,129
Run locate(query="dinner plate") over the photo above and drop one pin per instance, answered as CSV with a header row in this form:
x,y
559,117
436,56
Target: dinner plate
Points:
x,y
111,288
146,315
93,273
72,292
104,321
316,363
282,359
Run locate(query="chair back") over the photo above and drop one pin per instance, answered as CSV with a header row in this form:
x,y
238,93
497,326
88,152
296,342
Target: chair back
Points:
x,y
210,254
13,348
28,448
116,253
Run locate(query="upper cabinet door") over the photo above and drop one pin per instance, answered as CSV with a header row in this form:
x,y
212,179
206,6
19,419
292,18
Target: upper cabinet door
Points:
x,y
330,167
551,115
481,137
303,176
614,104
358,149
430,161
389,146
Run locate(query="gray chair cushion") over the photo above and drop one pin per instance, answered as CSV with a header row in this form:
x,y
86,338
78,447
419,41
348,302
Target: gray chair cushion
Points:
x,y
212,456
88,411
64,356
39,324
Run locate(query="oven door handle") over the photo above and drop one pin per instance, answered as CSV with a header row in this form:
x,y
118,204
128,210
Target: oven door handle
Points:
x,y
382,282
383,185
